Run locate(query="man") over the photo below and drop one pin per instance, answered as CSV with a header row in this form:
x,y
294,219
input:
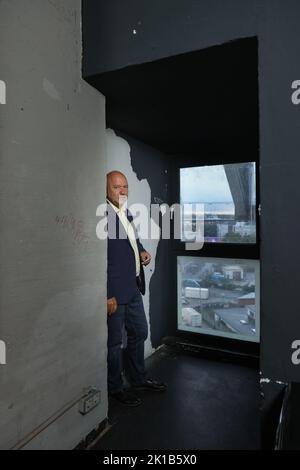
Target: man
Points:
x,y
124,303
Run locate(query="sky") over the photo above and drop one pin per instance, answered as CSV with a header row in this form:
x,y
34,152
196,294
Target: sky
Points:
x,y
204,184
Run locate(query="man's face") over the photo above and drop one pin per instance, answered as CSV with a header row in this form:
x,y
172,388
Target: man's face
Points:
x,y
117,189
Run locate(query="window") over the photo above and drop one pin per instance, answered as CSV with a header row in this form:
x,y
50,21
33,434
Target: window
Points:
x,y
219,296
228,195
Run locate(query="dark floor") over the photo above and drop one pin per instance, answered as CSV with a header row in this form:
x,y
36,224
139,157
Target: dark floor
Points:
x,y
208,405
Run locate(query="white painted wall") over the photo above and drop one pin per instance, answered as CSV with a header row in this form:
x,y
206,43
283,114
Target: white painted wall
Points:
x,y
118,158
52,266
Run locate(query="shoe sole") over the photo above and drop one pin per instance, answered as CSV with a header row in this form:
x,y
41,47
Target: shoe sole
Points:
x,y
126,404
132,405
149,389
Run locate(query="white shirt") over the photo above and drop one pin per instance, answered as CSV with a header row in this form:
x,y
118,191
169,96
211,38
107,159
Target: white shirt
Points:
x,y
121,212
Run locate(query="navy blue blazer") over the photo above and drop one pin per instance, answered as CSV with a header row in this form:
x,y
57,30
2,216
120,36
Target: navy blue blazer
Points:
x,y
121,267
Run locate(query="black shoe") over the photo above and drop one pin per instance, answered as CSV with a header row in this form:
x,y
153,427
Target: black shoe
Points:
x,y
151,385
126,398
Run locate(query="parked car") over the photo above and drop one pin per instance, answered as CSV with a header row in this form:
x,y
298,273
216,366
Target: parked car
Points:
x,y
190,283
217,279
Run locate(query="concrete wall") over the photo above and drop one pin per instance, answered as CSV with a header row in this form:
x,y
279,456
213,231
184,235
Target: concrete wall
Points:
x,y
53,268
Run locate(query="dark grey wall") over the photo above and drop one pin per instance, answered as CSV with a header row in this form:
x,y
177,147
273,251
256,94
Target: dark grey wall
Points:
x,y
163,28
280,190
171,27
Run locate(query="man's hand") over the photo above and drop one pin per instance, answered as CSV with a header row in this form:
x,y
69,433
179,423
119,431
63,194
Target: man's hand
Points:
x,y
145,257
112,305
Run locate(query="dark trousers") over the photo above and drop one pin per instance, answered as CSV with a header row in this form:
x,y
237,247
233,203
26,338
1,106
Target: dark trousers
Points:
x,y
132,316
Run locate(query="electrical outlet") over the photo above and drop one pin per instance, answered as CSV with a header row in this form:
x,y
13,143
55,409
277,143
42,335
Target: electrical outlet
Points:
x,y
89,401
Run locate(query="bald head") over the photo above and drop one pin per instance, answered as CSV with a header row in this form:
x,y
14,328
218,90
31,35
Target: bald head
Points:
x,y
117,187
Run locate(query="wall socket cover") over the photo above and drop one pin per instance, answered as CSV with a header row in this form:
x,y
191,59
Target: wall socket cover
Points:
x,y
89,401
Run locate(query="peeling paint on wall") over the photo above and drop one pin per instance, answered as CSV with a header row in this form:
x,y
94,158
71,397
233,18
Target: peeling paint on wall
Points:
x,y
118,158
265,380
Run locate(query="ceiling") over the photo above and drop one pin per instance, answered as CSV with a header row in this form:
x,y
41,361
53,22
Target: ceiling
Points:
x,y
185,104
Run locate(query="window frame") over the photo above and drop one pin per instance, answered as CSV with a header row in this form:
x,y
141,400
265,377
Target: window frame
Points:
x,y
214,250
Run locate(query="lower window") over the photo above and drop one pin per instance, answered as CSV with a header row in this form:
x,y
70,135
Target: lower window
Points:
x,y
219,296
